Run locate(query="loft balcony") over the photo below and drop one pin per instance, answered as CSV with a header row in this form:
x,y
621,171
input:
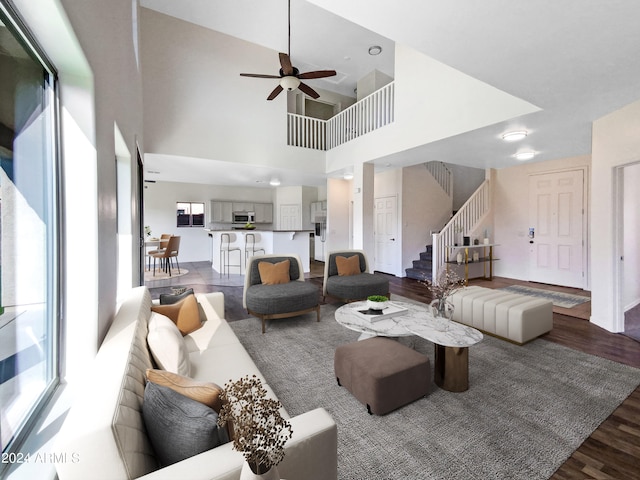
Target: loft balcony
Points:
x,y
369,114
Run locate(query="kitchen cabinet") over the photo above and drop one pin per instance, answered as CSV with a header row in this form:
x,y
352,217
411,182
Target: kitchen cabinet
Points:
x,y
243,207
264,212
221,212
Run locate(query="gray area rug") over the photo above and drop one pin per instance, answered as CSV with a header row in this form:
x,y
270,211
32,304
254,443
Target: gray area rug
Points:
x,y
527,408
559,299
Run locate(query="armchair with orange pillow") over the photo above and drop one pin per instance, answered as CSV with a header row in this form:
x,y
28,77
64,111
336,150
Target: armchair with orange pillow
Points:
x,y
347,277
275,288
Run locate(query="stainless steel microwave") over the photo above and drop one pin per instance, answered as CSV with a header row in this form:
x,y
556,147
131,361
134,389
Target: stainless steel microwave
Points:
x,y
244,217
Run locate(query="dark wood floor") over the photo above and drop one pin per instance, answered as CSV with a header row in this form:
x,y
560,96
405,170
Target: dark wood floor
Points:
x,y
611,452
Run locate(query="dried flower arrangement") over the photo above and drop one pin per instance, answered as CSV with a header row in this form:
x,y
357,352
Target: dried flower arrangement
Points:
x,y
260,432
447,282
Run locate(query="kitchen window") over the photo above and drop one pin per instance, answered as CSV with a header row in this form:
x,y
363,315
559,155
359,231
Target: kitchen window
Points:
x,y
190,214
29,232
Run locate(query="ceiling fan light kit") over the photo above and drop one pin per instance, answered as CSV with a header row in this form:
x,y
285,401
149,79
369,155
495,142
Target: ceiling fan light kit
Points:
x,y
290,76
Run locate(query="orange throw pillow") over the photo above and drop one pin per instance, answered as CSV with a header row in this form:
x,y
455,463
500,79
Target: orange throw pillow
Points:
x,y
348,265
274,273
185,314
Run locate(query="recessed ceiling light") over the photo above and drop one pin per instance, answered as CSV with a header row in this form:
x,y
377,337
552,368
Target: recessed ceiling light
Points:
x,y
375,50
514,136
525,155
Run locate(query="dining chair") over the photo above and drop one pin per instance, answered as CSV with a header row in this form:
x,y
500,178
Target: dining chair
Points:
x,y
165,256
164,240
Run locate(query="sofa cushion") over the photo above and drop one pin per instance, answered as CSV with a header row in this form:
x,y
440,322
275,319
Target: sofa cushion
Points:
x,y
274,273
169,298
167,345
348,265
203,392
179,427
184,313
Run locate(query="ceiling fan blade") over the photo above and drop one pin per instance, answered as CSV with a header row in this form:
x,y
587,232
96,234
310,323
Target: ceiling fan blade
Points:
x,y
308,90
317,74
258,75
275,93
285,63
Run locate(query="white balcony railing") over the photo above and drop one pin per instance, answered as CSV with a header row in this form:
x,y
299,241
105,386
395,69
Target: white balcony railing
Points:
x,y
366,115
464,222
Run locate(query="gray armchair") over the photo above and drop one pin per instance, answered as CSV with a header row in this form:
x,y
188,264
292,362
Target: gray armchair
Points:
x,y
353,287
283,300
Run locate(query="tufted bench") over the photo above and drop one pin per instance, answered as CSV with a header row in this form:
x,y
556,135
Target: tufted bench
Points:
x,y
514,317
382,373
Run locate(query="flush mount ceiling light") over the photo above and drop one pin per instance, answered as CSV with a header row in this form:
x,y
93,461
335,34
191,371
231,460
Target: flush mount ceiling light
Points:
x,y
375,50
525,155
274,182
514,136
348,176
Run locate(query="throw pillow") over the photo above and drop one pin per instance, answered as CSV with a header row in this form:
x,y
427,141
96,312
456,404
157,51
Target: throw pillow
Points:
x,y
274,273
167,345
348,265
203,392
169,298
184,313
178,427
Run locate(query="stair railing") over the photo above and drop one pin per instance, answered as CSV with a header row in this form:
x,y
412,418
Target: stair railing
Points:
x,y
463,222
443,176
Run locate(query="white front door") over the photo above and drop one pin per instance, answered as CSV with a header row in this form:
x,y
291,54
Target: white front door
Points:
x,y
556,206
386,229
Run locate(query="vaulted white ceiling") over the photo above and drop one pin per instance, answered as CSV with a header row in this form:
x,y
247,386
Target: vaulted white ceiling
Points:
x,y
577,59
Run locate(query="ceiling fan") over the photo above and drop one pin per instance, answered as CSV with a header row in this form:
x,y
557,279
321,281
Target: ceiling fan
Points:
x,y
289,75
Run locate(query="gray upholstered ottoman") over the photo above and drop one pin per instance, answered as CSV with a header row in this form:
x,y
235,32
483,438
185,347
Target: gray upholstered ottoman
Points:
x,y
382,373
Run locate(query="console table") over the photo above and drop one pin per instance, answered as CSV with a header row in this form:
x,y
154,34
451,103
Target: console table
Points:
x,y
485,251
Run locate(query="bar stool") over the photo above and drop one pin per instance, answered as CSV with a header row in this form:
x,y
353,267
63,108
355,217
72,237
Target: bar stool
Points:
x,y
225,254
250,248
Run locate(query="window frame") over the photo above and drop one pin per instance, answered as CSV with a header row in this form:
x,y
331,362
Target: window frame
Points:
x,y
54,246
190,215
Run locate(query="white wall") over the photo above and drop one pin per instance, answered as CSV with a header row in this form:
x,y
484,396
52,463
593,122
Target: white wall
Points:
x,y
511,213
615,143
631,227
338,228
466,181
192,78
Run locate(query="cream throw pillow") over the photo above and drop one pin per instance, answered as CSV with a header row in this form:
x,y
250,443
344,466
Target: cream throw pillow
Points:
x,y
167,345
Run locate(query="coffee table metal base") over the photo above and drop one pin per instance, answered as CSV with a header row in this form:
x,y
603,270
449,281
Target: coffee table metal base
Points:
x,y
451,369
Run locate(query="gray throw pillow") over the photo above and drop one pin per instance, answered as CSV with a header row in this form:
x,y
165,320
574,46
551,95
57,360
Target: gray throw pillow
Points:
x,y
171,298
179,427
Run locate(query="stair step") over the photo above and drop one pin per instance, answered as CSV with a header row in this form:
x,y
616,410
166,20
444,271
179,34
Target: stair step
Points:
x,y
423,264
426,256
418,274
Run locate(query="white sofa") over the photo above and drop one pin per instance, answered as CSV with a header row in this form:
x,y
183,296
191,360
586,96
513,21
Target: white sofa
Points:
x,y
104,435
512,316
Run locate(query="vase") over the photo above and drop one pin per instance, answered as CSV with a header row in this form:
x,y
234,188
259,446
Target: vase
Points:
x,y
247,474
442,312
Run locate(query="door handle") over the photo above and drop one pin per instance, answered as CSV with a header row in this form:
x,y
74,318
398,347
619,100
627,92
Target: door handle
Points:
x,y
393,239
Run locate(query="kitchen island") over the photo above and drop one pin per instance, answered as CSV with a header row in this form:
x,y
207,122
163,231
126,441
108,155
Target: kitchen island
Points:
x,y
272,241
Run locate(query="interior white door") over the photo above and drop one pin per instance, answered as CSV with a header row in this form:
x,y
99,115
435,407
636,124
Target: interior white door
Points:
x,y
386,229
290,217
556,206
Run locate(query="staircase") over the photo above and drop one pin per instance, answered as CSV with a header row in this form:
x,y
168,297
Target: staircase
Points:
x,y
422,268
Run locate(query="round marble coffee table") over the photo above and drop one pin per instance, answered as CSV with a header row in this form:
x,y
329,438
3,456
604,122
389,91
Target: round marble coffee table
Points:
x,y
451,340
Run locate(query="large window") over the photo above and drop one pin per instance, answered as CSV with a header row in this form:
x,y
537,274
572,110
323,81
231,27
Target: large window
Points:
x,y
190,214
29,317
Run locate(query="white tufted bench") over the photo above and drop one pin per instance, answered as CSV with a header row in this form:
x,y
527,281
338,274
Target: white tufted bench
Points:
x,y
514,317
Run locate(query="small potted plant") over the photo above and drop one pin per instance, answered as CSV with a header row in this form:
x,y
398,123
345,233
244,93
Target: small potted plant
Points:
x,y
259,431
377,302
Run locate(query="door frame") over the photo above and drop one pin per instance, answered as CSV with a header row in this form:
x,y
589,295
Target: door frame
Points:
x,y
395,253
586,250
